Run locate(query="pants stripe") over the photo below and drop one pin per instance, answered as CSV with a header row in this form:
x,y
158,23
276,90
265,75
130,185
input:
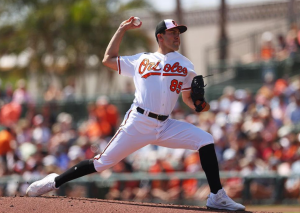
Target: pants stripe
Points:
x,y
127,118
111,140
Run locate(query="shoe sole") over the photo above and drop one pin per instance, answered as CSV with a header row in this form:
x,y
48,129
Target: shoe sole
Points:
x,y
211,208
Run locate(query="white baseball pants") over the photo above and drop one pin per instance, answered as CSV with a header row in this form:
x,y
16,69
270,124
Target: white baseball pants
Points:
x,y
139,130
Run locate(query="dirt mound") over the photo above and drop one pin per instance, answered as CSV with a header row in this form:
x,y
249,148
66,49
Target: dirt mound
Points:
x,y
88,205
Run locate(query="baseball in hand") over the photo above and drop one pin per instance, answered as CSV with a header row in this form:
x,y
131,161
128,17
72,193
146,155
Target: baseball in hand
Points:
x,y
136,21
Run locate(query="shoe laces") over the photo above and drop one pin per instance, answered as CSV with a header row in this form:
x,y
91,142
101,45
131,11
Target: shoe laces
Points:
x,y
222,195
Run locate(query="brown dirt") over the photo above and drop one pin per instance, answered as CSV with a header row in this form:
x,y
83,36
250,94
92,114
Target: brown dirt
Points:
x,y
56,204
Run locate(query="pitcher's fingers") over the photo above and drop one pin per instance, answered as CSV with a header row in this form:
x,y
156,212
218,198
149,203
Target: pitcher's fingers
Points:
x,y
130,19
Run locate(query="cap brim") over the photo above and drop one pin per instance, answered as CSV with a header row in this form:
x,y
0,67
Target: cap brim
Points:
x,y
181,28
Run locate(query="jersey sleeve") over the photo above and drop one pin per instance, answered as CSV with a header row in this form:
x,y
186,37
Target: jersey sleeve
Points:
x,y
188,80
127,64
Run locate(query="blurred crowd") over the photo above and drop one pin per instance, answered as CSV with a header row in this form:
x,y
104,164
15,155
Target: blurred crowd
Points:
x,y
36,140
276,46
253,133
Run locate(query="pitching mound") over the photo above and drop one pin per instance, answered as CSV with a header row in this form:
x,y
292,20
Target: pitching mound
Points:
x,y
89,205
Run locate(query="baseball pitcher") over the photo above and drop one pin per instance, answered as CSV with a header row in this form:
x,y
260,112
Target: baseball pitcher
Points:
x,y
159,79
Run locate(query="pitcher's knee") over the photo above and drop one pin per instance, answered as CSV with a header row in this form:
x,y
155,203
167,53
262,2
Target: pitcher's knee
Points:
x,y
102,164
209,138
205,140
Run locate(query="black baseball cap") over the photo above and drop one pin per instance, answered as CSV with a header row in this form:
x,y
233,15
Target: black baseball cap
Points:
x,y
168,24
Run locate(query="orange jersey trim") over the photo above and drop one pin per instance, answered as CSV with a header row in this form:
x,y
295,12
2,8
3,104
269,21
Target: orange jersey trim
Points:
x,y
119,65
187,88
151,73
127,118
171,74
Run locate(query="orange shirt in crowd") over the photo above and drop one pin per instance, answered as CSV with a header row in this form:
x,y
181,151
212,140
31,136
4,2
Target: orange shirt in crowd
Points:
x,y
108,113
98,129
280,86
10,113
5,140
267,52
190,186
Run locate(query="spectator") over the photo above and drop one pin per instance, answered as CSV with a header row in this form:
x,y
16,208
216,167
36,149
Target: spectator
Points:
x,y
40,133
281,50
23,131
8,93
69,90
190,186
292,185
6,142
226,99
10,113
291,41
107,112
267,55
267,51
53,93
278,109
98,128
293,110
20,95
281,42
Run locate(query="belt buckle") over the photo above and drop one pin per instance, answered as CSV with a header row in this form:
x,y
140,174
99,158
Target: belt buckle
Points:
x,y
157,118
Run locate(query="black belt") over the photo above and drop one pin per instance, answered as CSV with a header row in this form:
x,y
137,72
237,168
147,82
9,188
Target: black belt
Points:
x,y
153,115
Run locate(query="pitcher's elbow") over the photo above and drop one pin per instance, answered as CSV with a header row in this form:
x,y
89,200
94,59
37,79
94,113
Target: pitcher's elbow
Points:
x,y
104,61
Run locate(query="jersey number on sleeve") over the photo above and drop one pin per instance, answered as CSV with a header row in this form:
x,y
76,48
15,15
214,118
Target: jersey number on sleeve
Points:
x,y
175,86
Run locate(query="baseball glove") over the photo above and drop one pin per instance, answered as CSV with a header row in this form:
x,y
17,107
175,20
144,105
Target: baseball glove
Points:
x,y
197,93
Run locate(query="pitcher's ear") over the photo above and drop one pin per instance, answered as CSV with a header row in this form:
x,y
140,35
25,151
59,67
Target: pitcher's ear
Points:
x,y
159,36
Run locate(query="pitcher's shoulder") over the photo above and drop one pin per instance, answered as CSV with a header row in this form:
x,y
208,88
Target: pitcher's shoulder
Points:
x,y
184,58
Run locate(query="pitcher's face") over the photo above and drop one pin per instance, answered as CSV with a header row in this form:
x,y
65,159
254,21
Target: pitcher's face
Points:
x,y
171,39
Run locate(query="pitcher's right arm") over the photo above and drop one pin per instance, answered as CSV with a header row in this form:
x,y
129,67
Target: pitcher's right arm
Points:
x,y
112,50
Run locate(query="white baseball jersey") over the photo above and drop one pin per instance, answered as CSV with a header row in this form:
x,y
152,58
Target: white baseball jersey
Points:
x,y
158,79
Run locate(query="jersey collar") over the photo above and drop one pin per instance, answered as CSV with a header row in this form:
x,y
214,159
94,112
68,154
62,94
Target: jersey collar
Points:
x,y
170,54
